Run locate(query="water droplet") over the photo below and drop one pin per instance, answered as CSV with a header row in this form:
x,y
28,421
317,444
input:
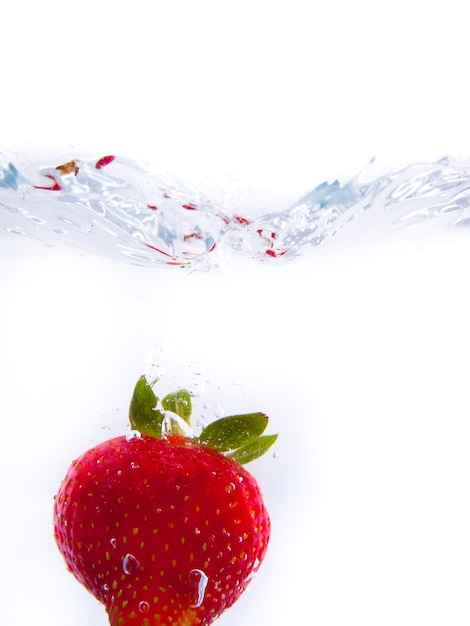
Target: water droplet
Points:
x,y
230,487
130,564
197,587
144,607
113,542
133,435
275,455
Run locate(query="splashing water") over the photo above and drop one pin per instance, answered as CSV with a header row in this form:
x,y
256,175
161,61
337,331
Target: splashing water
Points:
x,y
122,209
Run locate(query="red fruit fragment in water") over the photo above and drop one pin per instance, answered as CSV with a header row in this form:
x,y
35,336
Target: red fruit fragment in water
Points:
x,y
54,187
158,250
106,160
243,221
192,236
273,253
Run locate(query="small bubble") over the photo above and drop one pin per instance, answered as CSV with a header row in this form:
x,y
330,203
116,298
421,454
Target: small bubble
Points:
x,y
133,435
144,607
197,587
113,542
105,588
230,487
130,564
275,455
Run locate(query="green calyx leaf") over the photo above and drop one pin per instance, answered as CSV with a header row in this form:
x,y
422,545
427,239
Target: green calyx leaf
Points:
x,y
253,450
239,436
178,402
143,413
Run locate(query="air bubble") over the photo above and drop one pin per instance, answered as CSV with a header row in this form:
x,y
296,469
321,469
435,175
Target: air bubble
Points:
x,y
130,564
144,607
197,587
113,542
133,435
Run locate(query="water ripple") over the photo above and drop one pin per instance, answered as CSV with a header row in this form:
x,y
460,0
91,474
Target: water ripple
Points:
x,y
122,209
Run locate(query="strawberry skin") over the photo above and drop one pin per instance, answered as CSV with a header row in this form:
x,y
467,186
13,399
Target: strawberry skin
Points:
x,y
161,531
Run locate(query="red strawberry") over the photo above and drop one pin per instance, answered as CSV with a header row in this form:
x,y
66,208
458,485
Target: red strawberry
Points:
x,y
165,530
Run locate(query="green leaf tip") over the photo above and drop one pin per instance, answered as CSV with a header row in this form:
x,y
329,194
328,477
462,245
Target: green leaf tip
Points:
x,y
253,450
239,436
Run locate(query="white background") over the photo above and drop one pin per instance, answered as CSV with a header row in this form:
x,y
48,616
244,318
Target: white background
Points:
x,y
360,355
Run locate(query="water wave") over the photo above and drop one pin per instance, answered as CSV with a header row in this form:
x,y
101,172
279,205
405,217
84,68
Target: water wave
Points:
x,y
122,209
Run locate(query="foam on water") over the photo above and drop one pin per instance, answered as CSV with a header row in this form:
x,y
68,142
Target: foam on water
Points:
x,y
122,209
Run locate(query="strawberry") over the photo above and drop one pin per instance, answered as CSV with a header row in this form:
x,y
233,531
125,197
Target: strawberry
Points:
x,y
162,527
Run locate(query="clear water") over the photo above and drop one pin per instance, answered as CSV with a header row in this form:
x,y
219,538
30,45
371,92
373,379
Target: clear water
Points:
x,y
357,349
123,210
